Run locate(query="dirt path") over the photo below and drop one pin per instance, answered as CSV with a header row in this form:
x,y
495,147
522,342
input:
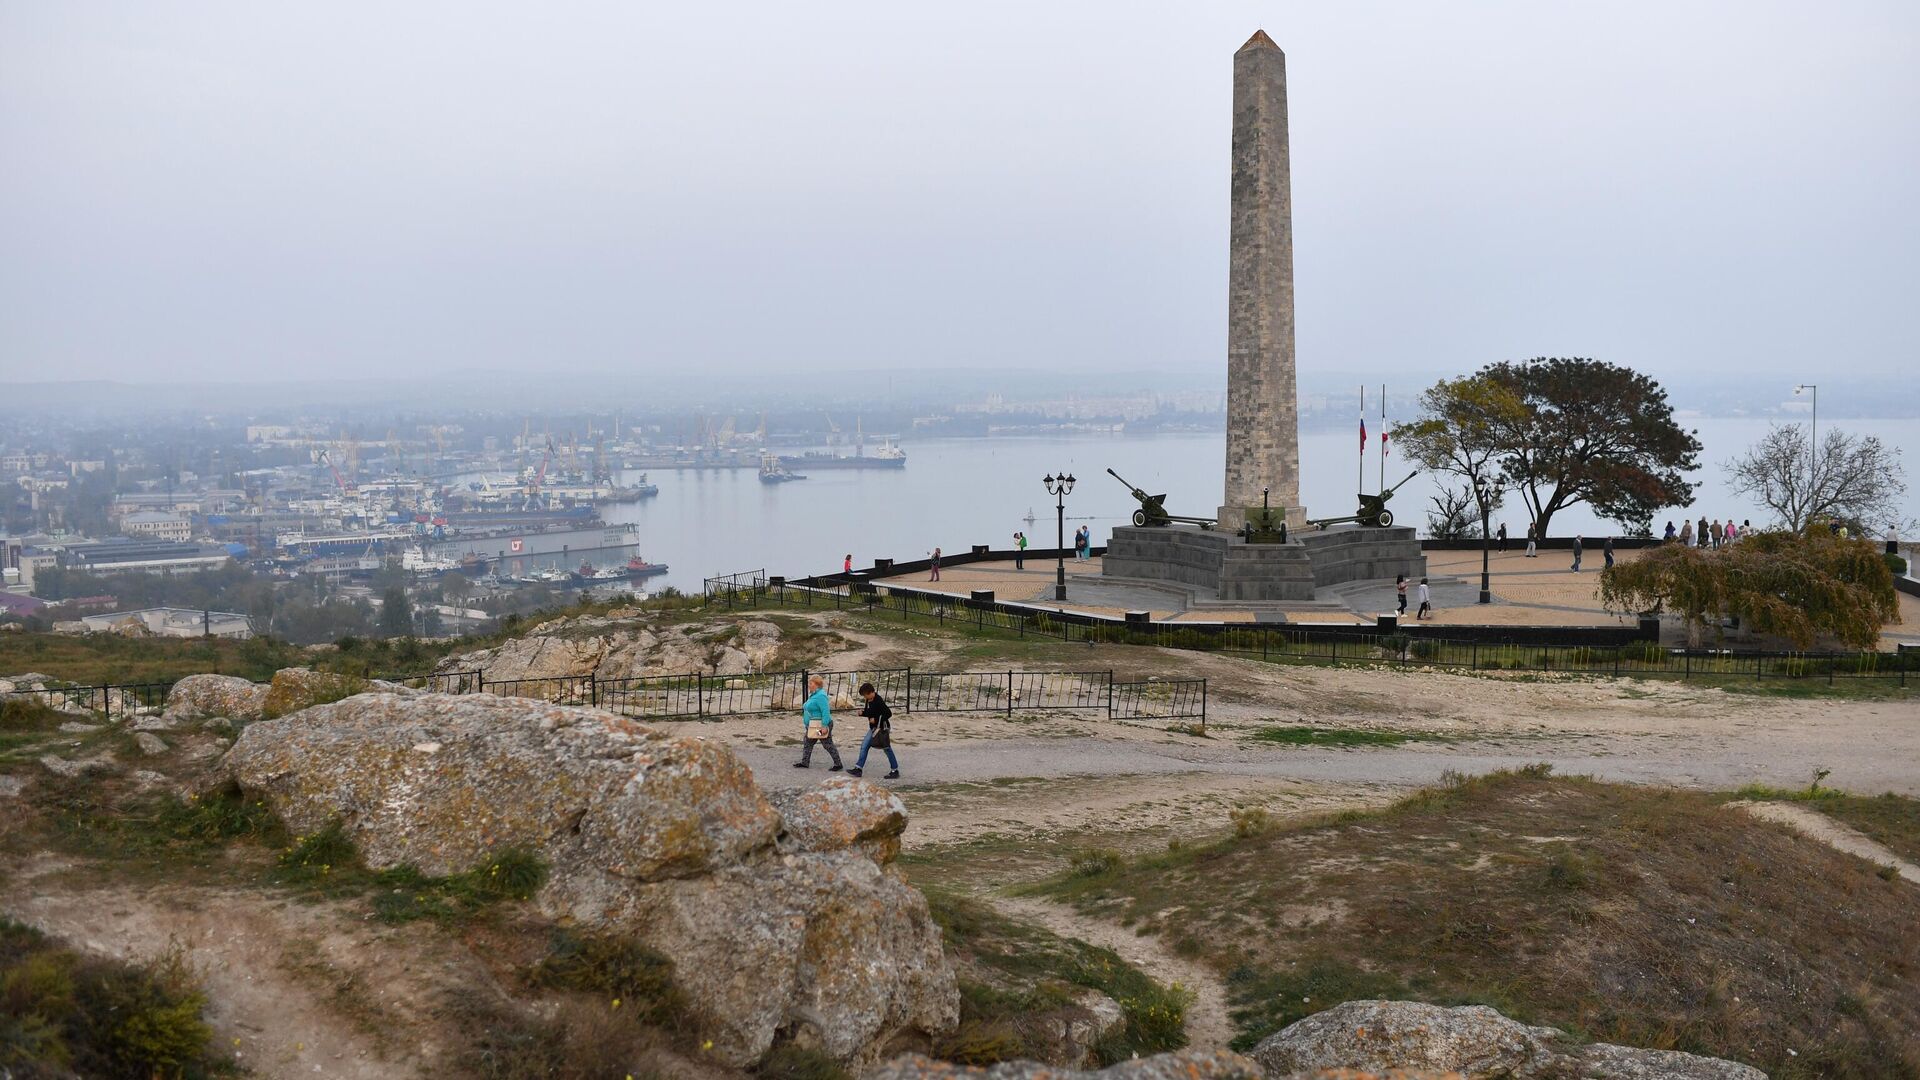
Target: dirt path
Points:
x,y
1815,825
292,989
1208,1024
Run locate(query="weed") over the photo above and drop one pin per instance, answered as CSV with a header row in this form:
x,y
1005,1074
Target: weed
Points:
x,y
1250,821
792,1062
1096,862
615,969
1315,736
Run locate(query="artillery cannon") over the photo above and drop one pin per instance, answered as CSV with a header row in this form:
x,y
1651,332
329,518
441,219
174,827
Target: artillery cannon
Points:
x,y
1153,508
1373,511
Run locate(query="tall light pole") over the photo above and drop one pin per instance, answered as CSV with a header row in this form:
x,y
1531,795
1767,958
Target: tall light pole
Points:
x,y
1813,440
1485,493
1058,487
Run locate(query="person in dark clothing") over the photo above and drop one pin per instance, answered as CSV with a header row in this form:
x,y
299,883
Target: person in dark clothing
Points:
x,y
935,560
1576,552
879,732
1503,536
1703,537
1606,550
1400,586
1019,551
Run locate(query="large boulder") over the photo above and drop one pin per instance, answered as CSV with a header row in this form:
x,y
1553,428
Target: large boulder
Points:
x,y
842,813
1180,1065
662,838
1469,1041
619,648
198,697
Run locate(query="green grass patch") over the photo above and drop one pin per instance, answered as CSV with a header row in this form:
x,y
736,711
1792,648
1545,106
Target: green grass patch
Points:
x,y
1889,819
614,969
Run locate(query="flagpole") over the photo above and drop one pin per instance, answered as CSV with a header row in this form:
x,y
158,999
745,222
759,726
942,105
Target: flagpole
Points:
x,y
1383,437
1363,438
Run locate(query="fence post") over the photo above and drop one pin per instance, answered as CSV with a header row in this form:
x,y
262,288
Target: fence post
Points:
x,y
1203,706
1686,672
1009,693
1109,695
593,688
1473,664
908,697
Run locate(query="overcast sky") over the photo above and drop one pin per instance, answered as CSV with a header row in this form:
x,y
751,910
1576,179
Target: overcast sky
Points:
x,y
253,191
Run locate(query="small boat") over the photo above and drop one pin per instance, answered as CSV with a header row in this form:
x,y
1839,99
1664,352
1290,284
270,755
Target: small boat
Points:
x,y
774,471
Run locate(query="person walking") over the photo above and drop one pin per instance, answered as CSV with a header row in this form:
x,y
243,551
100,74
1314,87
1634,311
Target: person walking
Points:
x,y
1606,552
879,732
1671,532
817,714
1019,551
1701,537
1400,586
1717,534
1503,537
934,562
1686,532
1426,602
1576,552
1532,535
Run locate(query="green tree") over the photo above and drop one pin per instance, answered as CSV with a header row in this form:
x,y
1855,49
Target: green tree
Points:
x,y
1799,586
1461,430
396,612
1596,433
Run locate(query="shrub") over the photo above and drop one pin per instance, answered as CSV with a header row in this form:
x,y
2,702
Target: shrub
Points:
x,y
1424,648
792,1062
1895,564
614,968
1644,652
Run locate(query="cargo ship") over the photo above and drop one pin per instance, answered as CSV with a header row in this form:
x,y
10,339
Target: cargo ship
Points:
x,y
635,569
492,545
888,456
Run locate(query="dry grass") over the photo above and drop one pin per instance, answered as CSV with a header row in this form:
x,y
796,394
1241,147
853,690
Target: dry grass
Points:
x,y
1652,918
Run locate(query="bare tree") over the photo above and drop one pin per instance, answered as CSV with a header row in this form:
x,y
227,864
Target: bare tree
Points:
x,y
1452,516
1857,481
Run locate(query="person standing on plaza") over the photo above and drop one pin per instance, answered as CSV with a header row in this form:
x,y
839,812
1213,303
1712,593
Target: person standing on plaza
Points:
x,y
1606,551
1400,586
1533,533
1426,602
1503,536
1686,532
1576,552
1731,532
934,563
879,732
817,714
1019,550
1701,537
1718,535
846,565
1671,532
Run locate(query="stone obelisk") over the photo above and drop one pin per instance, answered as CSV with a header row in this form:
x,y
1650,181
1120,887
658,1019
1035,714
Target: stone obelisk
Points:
x,y
1263,425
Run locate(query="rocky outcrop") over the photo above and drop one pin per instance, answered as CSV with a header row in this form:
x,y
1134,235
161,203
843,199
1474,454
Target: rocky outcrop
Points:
x,y
1470,1041
844,813
614,648
663,838
1181,1065
198,697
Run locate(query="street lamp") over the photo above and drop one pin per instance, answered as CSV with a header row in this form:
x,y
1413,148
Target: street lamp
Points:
x,y
1058,486
1813,448
1485,493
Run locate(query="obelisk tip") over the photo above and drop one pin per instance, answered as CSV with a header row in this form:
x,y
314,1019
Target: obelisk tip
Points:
x,y
1259,40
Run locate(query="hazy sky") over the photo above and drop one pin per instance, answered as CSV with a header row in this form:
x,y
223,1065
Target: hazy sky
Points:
x,y
248,190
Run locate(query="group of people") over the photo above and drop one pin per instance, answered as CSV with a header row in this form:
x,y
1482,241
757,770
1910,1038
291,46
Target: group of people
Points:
x,y
817,714
1082,550
1710,534
1426,597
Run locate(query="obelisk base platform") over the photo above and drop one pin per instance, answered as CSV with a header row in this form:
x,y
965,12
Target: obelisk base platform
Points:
x,y
1221,567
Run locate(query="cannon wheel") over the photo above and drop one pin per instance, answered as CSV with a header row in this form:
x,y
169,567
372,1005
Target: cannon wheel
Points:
x,y
1139,517
1386,518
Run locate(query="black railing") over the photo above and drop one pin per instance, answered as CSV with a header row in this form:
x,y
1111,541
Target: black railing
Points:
x,y
1607,655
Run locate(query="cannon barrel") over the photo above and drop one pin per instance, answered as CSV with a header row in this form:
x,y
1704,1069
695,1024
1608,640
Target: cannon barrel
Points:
x,y
1401,484
1122,479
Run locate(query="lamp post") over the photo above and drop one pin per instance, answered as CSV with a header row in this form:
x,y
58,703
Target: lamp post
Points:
x,y
1058,487
1812,391
1485,493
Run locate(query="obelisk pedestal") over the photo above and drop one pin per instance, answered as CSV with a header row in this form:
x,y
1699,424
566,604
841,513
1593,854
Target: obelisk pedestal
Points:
x,y
1263,423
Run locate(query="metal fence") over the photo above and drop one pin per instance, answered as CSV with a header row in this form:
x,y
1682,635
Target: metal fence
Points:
x,y
120,698
1319,645
732,590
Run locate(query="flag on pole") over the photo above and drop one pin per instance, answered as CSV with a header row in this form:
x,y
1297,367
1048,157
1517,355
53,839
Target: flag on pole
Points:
x,y
1383,438
1363,421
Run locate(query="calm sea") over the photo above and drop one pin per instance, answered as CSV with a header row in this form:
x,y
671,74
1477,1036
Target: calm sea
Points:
x,y
959,492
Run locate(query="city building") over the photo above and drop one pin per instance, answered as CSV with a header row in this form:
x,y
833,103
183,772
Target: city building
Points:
x,y
159,525
121,554
172,622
